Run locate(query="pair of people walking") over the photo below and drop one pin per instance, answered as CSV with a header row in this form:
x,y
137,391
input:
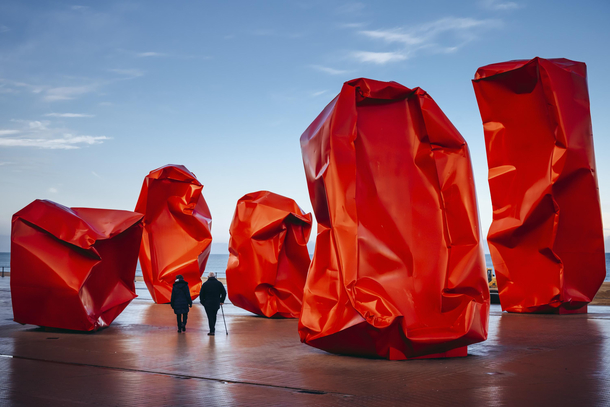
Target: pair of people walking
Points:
x,y
211,296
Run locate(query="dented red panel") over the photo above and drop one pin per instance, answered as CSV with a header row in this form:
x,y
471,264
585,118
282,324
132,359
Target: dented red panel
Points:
x,y
177,235
72,268
268,259
398,270
546,238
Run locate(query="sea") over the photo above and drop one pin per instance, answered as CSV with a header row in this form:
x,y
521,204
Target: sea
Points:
x,y
218,264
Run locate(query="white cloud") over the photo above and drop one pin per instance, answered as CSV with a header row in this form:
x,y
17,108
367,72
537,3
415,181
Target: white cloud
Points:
x,y
105,104
40,134
150,54
446,35
79,7
96,174
69,115
4,28
319,93
328,70
67,92
128,73
350,8
53,190
67,142
353,25
499,5
379,58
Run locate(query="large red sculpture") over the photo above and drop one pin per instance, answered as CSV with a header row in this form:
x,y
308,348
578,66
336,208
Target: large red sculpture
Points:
x,y
268,259
73,268
546,238
398,271
177,234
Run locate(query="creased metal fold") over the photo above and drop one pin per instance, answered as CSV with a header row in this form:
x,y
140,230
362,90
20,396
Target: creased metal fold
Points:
x,y
398,270
72,268
546,239
268,258
177,234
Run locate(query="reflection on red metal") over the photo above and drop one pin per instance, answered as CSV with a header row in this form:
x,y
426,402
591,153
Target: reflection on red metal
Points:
x,y
73,268
177,234
398,271
269,258
546,238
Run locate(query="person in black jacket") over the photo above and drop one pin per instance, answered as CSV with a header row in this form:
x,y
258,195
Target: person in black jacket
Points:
x,y
212,296
181,301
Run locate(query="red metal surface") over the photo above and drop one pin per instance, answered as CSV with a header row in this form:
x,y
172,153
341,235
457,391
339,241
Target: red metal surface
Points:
x,y
398,271
546,238
72,268
268,259
177,236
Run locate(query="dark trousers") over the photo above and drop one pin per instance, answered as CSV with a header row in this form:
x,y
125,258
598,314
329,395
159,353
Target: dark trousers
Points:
x,y
211,311
183,323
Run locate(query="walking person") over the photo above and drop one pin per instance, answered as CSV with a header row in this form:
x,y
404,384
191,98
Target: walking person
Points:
x,y
212,296
181,301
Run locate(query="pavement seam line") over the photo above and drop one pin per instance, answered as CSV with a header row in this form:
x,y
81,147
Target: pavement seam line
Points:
x,y
179,375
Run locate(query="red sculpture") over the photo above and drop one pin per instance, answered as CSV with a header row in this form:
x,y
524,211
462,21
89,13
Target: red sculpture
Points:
x,y
398,271
546,238
177,234
73,268
269,258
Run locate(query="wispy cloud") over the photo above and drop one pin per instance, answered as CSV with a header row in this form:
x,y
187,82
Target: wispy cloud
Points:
x,y
319,93
150,54
379,58
331,71
352,25
40,134
128,73
4,28
67,92
499,5
69,115
350,8
67,142
96,174
79,8
445,35
53,190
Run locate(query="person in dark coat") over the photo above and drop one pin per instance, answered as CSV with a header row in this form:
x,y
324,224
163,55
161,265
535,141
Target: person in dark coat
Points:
x,y
212,296
181,301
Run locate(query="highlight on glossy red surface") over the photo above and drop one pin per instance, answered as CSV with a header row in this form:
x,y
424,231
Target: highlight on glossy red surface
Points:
x,y
177,236
398,271
72,268
546,238
268,258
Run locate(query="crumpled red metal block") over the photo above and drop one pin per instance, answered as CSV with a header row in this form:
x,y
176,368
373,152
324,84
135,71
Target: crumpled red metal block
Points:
x,y
73,268
177,236
268,259
398,271
546,238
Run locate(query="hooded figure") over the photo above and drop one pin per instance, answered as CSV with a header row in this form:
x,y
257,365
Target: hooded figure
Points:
x,y
181,301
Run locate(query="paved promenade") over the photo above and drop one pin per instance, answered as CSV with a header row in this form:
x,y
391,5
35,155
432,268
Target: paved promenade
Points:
x,y
140,360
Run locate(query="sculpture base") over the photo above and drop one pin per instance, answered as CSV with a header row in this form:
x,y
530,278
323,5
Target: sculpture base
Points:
x,y
581,310
453,353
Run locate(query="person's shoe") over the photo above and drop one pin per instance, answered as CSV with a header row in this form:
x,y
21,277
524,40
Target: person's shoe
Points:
x,y
179,330
183,328
211,334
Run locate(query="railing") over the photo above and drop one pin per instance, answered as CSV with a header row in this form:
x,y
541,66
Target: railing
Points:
x,y
8,269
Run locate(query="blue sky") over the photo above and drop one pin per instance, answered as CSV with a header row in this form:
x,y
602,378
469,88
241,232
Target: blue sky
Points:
x,y
94,95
